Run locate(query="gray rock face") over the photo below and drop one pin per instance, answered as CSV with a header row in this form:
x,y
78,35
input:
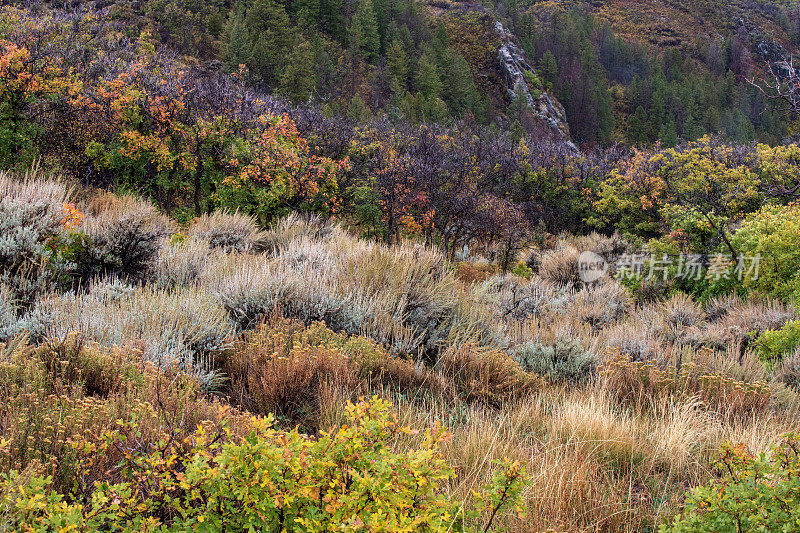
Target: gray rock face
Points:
x,y
514,64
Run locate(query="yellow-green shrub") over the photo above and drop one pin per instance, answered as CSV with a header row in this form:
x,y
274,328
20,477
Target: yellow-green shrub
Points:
x,y
774,234
775,344
756,493
347,480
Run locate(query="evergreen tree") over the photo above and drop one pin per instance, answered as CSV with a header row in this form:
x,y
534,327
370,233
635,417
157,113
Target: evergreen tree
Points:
x,y
307,13
297,82
436,110
519,105
460,90
358,110
397,65
668,134
440,45
638,128
271,40
237,50
548,68
428,81
331,19
364,32
324,67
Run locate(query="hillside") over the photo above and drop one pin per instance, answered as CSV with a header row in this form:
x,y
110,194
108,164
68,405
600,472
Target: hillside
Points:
x,y
687,24
395,266
685,64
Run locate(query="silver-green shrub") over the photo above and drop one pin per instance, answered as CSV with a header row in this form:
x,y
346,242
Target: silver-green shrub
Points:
x,y
32,229
231,232
564,360
122,239
180,262
9,321
169,327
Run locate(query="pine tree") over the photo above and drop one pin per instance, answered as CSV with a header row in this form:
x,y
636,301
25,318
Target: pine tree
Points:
x,y
460,90
548,68
668,134
428,81
637,127
307,13
237,50
364,30
358,110
270,38
331,19
397,65
440,44
297,82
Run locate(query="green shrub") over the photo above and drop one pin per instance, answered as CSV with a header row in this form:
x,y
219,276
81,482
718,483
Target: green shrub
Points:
x,y
756,493
774,345
351,479
522,270
565,360
774,234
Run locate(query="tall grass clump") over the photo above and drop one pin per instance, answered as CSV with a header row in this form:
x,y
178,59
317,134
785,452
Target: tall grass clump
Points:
x,y
295,226
230,232
561,265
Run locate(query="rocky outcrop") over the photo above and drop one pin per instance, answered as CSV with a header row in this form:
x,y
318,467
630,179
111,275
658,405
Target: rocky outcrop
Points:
x,y
514,64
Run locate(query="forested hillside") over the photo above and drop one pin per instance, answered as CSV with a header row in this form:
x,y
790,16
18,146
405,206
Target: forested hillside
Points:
x,y
395,265
636,72
643,72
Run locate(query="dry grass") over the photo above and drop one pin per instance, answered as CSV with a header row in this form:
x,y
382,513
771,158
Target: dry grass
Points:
x,y
644,383
561,265
231,232
475,273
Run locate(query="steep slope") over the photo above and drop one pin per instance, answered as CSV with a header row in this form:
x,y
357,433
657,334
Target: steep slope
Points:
x,y
503,70
516,68
658,70
666,23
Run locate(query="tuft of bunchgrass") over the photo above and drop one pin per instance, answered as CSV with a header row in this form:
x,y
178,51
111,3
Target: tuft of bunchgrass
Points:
x,y
230,232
